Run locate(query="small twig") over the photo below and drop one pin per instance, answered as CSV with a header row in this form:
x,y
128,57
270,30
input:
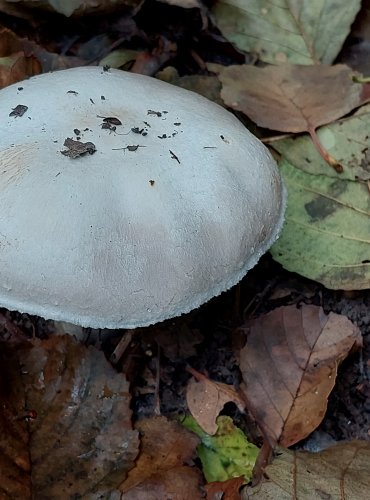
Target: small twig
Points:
x,y
121,347
157,402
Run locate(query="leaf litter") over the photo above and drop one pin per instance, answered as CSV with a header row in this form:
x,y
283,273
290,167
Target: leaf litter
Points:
x,y
174,476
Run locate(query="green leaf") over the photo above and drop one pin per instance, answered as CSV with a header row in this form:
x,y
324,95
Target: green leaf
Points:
x,y
347,140
303,32
225,455
326,236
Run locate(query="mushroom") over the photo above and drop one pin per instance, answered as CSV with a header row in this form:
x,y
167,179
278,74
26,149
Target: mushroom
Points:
x,y
126,200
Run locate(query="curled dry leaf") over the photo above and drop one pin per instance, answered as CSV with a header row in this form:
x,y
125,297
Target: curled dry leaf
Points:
x,y
67,428
162,469
289,366
292,98
206,398
341,471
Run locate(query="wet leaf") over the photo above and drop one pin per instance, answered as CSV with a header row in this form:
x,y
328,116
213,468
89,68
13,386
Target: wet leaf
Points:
x,y
341,471
162,469
302,32
326,232
225,455
289,367
67,429
206,398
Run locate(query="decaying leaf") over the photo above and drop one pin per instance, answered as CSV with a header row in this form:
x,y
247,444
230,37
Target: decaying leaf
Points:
x,y
70,416
15,463
206,398
292,98
341,471
162,469
225,455
326,231
225,490
303,32
289,367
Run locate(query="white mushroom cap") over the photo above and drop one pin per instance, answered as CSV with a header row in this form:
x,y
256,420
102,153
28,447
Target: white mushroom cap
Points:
x,y
127,236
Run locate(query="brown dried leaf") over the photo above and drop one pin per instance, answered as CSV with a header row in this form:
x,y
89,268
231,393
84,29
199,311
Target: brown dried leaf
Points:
x,y
292,98
15,466
289,366
161,470
82,423
341,471
16,63
225,490
206,398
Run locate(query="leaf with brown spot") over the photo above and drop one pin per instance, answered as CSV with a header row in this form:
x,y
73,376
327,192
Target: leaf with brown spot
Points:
x,y
206,398
292,98
289,366
79,439
162,469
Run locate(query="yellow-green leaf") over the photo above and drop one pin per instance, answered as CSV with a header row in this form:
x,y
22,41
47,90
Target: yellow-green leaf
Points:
x,y
303,32
326,236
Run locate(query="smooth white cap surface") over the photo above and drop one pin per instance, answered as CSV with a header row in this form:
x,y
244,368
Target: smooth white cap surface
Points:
x,y
127,236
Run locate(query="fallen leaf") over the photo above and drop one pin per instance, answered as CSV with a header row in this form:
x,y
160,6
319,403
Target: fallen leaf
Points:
x,y
292,98
16,62
346,139
326,232
225,490
162,469
289,367
303,32
341,471
225,455
205,85
206,398
71,416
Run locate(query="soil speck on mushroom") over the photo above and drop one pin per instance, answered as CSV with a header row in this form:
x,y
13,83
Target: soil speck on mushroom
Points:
x,y
19,110
77,148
